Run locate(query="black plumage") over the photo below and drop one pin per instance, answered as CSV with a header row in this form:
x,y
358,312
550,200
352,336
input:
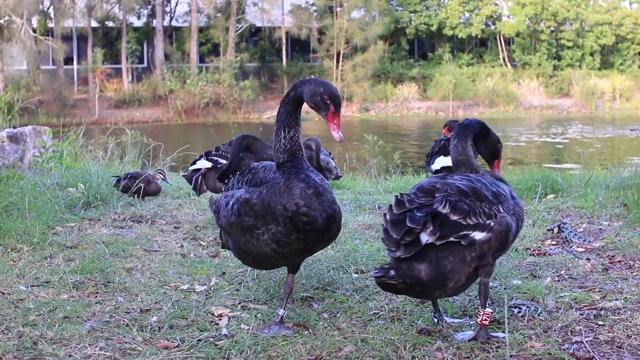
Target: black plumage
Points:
x,y
450,229
140,184
277,214
204,171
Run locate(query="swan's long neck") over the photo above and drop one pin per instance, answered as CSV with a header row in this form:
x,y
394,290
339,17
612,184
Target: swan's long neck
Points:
x,y
287,142
463,154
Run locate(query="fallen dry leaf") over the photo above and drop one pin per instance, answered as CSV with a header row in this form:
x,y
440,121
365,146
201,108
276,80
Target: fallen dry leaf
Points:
x,y
427,331
346,351
166,345
588,267
199,288
301,325
220,311
534,344
221,320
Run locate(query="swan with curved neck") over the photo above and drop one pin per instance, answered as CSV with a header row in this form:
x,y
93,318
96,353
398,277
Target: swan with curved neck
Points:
x,y
213,168
449,230
277,214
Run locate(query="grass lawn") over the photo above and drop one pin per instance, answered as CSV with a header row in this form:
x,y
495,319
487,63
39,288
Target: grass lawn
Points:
x,y
87,272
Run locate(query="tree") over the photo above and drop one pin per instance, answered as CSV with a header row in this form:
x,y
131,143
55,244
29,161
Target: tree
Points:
x,y
193,39
231,33
60,14
283,30
124,13
159,39
90,7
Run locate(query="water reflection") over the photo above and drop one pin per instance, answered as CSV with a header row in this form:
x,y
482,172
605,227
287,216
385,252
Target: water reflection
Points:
x,y
564,142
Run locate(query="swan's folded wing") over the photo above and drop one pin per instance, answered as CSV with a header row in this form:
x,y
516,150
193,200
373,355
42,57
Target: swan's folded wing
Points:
x,y
445,208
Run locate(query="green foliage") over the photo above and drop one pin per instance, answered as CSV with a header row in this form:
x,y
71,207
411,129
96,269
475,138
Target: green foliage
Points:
x,y
298,69
449,83
13,102
69,178
496,91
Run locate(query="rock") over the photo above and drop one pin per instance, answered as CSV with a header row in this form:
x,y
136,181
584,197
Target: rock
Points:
x,y
19,146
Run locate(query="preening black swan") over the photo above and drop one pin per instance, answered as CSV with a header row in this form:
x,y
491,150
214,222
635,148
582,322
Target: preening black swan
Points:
x,y
450,229
277,214
204,170
140,184
320,159
438,159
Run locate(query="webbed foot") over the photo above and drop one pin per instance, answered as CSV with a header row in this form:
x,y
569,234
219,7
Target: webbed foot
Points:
x,y
440,319
480,335
277,328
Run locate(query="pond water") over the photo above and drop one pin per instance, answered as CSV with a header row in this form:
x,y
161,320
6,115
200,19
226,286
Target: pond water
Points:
x,y
587,141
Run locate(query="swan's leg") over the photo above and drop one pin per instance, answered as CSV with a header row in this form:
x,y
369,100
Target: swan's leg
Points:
x,y
440,319
278,326
288,289
482,332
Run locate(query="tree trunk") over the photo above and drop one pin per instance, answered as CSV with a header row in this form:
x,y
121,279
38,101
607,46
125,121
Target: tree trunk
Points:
x,y
335,39
502,51
506,53
58,51
90,74
2,81
123,50
32,54
231,34
284,48
159,40
193,52
343,39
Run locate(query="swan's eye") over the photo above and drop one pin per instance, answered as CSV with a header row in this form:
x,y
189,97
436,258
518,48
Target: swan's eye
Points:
x,y
326,99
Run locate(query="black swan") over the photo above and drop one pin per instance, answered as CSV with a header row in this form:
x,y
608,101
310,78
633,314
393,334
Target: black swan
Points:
x,y
450,229
320,159
277,214
438,159
140,184
204,170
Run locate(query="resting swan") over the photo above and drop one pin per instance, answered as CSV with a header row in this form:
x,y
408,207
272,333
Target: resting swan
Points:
x,y
204,170
277,214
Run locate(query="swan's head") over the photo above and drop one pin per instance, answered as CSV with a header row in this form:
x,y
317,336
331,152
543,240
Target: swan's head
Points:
x,y
449,127
474,137
323,98
489,147
329,169
160,174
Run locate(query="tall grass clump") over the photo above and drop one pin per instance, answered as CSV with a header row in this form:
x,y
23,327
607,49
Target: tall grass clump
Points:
x,y
380,160
71,177
592,190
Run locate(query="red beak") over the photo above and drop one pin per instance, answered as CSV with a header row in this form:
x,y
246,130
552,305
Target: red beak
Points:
x,y
496,166
446,131
333,122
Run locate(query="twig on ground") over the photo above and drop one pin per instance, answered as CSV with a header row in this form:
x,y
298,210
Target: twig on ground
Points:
x,y
589,347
